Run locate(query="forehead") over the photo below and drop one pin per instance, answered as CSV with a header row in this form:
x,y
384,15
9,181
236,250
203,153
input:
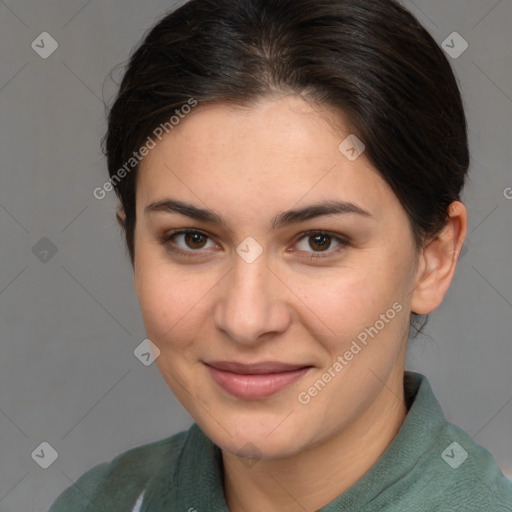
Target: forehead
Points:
x,y
275,153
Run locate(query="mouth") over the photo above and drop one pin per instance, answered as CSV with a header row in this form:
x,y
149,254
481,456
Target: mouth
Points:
x,y
256,380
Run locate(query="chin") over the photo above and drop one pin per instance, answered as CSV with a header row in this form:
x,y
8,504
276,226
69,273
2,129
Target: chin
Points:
x,y
260,450
252,441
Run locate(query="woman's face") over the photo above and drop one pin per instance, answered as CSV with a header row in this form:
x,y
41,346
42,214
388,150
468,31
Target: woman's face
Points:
x,y
257,281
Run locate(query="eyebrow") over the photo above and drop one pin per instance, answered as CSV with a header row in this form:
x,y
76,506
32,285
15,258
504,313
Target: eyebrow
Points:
x,y
286,218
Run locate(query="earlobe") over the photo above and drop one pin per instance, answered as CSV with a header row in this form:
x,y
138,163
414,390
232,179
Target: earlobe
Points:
x,y
438,262
121,216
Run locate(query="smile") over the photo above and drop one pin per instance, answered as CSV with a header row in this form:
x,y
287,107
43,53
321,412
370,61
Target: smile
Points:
x,y
255,381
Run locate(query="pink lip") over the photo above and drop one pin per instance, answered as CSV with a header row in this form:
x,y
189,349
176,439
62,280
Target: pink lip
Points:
x,y
253,381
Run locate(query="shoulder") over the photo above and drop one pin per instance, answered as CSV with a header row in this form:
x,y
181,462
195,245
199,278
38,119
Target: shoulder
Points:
x,y
468,477
453,472
116,484
434,465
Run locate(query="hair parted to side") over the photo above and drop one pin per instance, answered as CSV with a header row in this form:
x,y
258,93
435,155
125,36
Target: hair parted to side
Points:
x,y
370,59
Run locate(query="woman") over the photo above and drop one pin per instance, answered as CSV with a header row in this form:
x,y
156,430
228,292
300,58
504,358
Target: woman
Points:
x,y
289,175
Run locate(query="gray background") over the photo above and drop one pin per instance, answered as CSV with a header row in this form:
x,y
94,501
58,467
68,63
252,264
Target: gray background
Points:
x,y
69,325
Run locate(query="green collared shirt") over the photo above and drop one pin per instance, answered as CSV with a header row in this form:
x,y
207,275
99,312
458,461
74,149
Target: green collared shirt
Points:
x,y
431,465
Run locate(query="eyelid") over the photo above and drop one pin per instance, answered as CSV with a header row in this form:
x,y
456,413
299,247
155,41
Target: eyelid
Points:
x,y
166,238
343,242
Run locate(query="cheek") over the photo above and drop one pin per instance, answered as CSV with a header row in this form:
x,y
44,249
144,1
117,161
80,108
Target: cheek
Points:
x,y
348,304
353,300
171,301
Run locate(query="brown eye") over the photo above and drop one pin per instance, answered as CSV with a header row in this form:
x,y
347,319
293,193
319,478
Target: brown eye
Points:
x,y
319,242
187,240
195,240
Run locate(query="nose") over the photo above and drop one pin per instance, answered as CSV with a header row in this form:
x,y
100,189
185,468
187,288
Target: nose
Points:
x,y
251,305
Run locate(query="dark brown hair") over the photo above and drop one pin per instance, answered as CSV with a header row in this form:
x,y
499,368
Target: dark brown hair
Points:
x,y
370,59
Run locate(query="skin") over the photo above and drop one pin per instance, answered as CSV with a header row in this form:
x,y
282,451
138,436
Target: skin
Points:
x,y
248,165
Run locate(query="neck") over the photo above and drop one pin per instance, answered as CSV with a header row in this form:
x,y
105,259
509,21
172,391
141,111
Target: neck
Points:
x,y
315,477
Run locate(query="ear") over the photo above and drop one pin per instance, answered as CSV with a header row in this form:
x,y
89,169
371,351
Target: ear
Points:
x,y
438,261
120,216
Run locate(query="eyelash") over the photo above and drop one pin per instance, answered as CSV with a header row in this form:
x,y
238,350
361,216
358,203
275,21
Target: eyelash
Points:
x,y
167,238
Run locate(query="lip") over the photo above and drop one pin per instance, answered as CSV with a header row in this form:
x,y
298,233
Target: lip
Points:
x,y
255,380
